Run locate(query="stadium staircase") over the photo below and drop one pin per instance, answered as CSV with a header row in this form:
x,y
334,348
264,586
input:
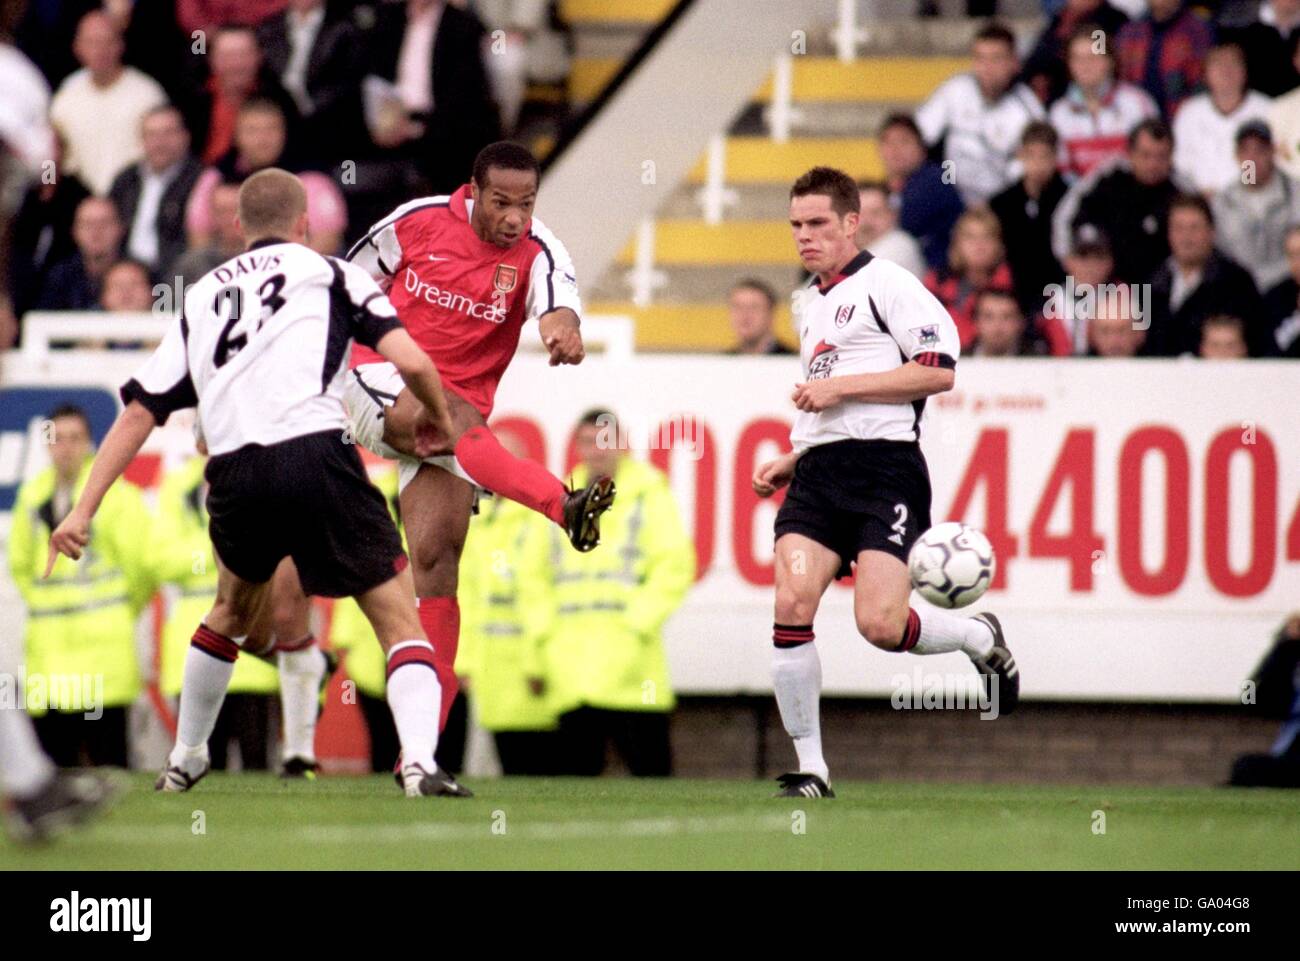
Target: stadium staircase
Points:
x,y
713,230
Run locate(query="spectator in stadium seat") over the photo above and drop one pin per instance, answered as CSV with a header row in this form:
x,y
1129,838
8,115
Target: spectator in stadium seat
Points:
x,y
1002,329
1283,301
978,116
1223,337
97,108
150,196
127,288
1128,200
1114,331
224,240
319,60
1090,267
1097,111
977,260
751,306
604,658
1277,695
879,233
1164,53
1045,67
1269,36
261,141
1206,124
237,75
1024,211
41,232
74,283
444,113
1253,213
1196,282
45,32
928,204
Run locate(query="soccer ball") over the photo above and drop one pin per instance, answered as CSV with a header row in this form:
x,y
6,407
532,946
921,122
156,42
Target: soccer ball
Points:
x,y
951,565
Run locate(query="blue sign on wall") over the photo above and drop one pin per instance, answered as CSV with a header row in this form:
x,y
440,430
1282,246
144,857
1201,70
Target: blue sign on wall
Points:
x,y
20,406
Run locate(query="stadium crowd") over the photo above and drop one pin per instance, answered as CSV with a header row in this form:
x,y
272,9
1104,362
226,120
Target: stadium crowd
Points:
x,y
160,110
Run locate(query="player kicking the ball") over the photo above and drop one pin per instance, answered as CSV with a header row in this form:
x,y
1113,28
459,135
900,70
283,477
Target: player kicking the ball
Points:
x,y
874,344
261,347
465,271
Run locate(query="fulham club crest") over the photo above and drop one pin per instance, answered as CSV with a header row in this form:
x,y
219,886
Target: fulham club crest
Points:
x,y
843,315
505,277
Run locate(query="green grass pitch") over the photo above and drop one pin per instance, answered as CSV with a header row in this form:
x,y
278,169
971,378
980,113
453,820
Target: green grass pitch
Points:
x,y
260,822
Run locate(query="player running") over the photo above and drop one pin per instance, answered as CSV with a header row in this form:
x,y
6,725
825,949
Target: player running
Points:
x,y
261,346
874,344
465,271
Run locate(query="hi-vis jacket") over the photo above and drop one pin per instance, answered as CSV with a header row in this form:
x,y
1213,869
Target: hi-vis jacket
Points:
x,y
81,622
507,607
181,554
605,648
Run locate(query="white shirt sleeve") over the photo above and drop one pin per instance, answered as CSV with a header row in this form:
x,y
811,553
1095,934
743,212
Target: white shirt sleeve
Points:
x,y
379,252
552,281
164,384
920,325
372,314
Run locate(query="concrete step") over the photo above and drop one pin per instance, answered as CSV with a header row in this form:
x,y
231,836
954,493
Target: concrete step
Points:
x,y
754,160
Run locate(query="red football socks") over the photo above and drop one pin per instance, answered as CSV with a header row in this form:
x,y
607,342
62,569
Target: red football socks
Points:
x,y
501,472
440,618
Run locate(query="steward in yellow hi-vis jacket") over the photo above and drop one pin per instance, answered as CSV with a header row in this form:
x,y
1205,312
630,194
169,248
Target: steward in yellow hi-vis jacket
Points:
x,y
181,554
80,638
507,608
604,657
367,668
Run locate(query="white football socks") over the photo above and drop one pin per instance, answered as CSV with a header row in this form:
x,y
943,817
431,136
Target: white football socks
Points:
x,y
24,768
203,690
301,674
797,679
942,632
415,698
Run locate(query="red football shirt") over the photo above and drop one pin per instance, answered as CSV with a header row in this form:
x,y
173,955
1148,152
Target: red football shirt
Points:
x,y
462,299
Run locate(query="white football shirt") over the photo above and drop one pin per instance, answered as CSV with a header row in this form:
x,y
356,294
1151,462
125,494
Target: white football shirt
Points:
x,y
262,346
874,317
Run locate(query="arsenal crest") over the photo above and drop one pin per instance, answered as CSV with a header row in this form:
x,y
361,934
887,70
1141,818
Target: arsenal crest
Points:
x,y
505,277
844,315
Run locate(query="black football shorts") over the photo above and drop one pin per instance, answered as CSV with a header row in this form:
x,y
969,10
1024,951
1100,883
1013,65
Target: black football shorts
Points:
x,y
858,495
307,498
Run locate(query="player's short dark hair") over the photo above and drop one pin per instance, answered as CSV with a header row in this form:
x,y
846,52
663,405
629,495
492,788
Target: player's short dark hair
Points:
x,y
505,155
753,283
832,183
995,30
904,120
1154,128
69,410
1192,202
1040,132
